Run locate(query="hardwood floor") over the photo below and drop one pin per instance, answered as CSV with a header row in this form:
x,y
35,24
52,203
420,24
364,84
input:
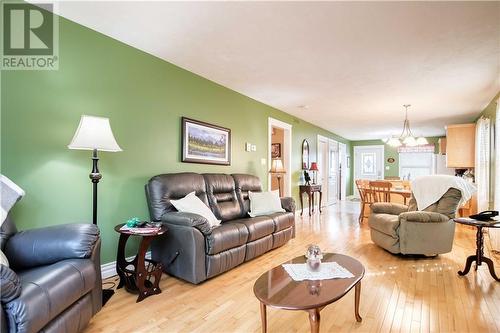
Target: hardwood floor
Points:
x,y
399,294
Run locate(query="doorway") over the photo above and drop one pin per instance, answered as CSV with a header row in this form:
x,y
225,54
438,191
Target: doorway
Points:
x,y
280,148
368,163
332,175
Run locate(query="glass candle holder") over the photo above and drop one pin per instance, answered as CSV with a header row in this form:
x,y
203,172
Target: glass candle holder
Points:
x,y
314,256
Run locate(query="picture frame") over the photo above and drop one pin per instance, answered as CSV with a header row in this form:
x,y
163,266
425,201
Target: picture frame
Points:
x,y
275,150
205,143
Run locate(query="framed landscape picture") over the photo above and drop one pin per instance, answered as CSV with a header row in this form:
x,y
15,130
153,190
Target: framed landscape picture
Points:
x,y
205,143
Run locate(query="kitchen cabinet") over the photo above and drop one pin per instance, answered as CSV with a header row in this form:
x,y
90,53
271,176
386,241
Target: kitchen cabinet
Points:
x,y
468,208
460,146
442,146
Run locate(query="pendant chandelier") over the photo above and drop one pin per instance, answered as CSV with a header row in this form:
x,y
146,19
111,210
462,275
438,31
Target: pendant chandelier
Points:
x,y
406,138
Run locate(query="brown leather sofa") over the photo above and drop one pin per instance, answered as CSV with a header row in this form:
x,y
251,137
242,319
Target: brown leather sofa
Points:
x,y
191,249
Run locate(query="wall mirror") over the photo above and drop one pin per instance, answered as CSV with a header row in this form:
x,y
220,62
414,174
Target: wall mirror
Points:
x,y
305,155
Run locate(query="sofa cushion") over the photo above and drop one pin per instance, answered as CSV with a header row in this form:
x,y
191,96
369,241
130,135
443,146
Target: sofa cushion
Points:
x,y
264,203
258,227
226,236
192,204
282,220
162,188
385,223
47,291
221,195
245,183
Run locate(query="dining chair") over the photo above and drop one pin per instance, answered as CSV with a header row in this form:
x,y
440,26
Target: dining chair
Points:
x,y
366,198
380,191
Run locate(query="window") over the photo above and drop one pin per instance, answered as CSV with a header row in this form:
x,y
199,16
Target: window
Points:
x,y
413,165
368,163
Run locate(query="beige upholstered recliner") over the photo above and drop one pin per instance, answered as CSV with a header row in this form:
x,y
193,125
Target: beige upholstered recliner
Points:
x,y
402,229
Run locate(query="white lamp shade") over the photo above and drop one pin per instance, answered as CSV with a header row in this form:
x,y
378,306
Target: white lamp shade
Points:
x,y
394,142
94,133
422,141
277,166
410,141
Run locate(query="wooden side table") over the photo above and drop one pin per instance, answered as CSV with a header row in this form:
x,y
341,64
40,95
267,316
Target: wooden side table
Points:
x,y
144,277
310,190
478,257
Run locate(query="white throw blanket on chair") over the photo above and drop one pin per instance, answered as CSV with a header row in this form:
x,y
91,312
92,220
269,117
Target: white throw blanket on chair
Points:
x,y
10,194
429,189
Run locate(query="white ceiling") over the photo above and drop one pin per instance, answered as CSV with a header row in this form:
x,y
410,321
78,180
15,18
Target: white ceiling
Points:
x,y
354,64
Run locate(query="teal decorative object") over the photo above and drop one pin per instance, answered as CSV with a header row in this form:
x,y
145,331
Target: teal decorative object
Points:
x,y
133,222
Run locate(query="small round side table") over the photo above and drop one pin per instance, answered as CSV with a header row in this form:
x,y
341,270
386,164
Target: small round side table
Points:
x,y
479,257
144,277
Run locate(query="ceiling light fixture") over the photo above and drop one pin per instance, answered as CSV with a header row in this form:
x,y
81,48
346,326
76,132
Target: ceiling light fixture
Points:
x,y
406,138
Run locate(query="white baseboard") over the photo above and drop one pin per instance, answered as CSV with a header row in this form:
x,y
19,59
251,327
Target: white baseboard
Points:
x,y
109,269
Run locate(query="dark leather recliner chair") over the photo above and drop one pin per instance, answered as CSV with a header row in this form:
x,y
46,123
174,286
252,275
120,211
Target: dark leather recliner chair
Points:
x,y
191,249
54,280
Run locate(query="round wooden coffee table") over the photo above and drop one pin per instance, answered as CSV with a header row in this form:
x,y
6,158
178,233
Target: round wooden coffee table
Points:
x,y
276,288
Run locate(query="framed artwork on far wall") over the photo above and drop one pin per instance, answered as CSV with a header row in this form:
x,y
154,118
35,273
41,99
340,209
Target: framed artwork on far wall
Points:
x,y
275,150
205,143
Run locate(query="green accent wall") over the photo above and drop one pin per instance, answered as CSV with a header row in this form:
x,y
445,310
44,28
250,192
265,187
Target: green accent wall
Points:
x,y
390,169
145,98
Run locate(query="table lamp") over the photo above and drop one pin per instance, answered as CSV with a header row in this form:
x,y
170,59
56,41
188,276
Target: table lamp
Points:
x,y
278,170
314,169
94,133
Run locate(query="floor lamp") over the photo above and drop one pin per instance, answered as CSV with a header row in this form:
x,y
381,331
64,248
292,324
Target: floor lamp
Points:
x,y
278,170
94,133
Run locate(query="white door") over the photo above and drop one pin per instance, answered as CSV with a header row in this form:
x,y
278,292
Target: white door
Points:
x,y
333,172
368,163
323,166
343,170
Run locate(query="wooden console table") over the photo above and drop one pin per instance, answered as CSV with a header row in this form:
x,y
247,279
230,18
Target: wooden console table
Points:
x,y
310,190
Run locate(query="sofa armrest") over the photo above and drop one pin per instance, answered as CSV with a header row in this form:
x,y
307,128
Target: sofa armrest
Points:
x,y
45,246
423,217
388,208
10,285
188,220
288,204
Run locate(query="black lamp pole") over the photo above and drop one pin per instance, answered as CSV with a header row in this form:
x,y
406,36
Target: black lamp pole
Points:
x,y
94,176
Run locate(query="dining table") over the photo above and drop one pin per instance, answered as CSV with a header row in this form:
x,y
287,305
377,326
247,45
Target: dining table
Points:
x,y
405,193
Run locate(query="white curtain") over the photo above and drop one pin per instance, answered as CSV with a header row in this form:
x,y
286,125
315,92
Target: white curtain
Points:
x,y
495,233
482,167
